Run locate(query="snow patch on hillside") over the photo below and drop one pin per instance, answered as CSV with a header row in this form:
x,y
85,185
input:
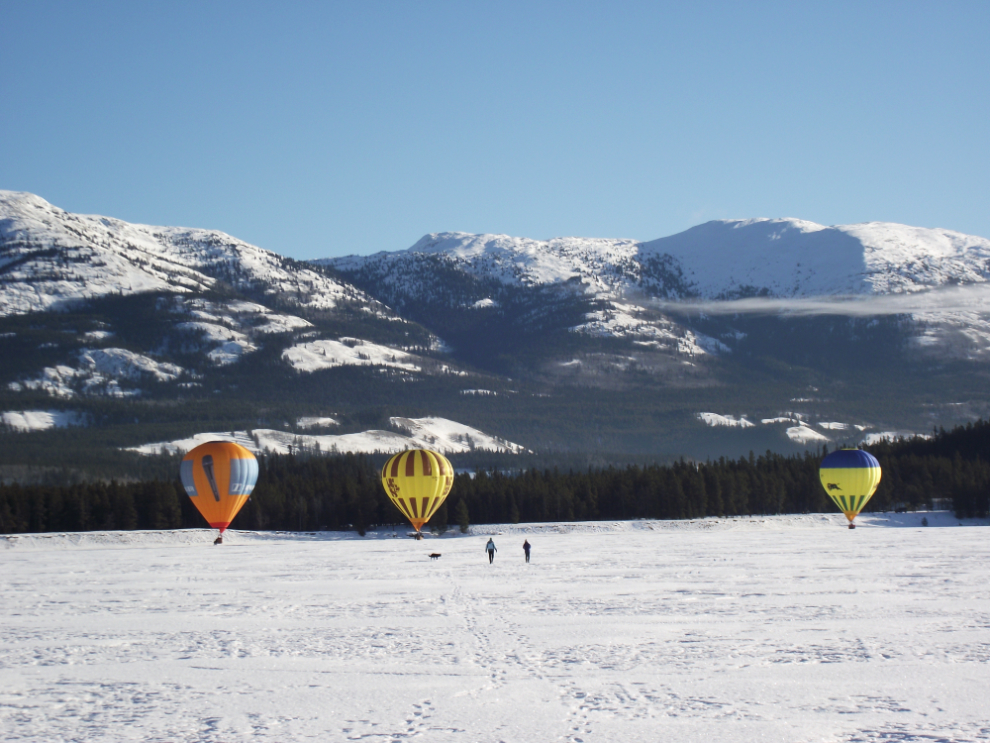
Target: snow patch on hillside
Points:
x,y
623,320
798,430
181,446
231,328
315,422
231,345
328,354
249,317
876,438
100,372
804,435
714,419
438,434
23,421
449,436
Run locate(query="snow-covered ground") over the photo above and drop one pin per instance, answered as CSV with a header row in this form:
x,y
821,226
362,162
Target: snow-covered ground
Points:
x,y
787,628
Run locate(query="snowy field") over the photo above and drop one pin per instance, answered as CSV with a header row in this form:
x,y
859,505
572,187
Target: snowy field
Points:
x,y
787,628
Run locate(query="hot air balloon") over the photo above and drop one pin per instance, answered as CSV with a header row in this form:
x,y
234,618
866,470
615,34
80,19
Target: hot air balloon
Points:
x,y
850,477
417,481
448,475
219,476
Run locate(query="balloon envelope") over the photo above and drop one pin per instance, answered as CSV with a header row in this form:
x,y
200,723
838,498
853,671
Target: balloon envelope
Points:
x,y
850,477
448,476
417,482
218,477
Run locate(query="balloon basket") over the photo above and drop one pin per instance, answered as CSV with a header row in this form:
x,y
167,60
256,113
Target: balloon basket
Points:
x,y
852,526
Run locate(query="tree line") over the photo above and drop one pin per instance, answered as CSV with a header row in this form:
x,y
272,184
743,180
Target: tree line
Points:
x,y
310,493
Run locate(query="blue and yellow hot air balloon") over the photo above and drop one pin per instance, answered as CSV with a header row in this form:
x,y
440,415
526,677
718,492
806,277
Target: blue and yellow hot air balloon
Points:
x,y
219,476
417,481
850,477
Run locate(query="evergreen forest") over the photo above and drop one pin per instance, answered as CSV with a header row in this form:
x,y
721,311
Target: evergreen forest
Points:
x,y
343,492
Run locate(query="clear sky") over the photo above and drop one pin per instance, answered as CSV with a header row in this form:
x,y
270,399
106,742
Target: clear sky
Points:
x,y
325,128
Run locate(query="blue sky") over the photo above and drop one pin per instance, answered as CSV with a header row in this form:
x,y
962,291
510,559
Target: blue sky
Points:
x,y
321,129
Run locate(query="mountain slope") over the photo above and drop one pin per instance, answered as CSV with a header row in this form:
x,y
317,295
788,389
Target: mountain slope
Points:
x,y
723,258
157,310
645,292
568,345
50,258
796,258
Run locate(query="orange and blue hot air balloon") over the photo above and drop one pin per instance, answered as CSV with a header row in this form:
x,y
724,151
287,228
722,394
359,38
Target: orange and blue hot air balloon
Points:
x,y
219,476
850,477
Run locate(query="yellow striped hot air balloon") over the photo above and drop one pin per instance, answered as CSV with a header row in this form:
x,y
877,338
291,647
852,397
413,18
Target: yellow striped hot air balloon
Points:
x,y
850,477
448,475
417,481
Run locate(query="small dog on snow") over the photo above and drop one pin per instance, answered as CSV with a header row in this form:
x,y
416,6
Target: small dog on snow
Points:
x,y
434,555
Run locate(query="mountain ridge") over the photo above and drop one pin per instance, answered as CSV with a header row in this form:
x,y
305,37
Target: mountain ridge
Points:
x,y
571,344
859,258
51,257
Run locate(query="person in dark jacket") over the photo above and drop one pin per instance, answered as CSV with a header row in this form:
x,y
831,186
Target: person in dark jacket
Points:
x,y
490,547
526,548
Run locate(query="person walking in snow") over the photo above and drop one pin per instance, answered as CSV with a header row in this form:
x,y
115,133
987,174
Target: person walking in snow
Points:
x,y
490,547
526,548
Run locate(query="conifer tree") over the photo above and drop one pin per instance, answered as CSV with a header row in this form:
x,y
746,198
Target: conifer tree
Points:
x,y
463,518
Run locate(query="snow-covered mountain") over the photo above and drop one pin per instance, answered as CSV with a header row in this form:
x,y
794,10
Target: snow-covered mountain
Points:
x,y
50,259
220,300
573,343
718,259
635,289
796,258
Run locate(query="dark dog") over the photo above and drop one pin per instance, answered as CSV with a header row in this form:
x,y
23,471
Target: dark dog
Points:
x,y
434,555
